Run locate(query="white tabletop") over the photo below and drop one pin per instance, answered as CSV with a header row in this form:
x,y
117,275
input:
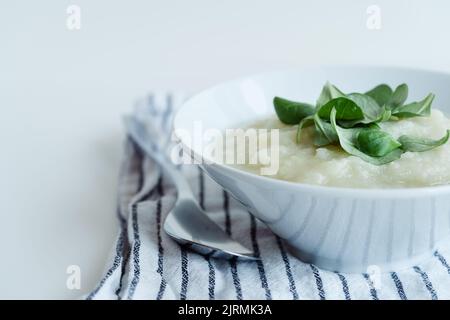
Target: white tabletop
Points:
x,y
62,94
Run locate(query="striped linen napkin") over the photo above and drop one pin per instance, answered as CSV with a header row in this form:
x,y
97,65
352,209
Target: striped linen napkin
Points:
x,y
147,264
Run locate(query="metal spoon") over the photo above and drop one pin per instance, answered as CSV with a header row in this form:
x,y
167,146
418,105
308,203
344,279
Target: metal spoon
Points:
x,y
187,223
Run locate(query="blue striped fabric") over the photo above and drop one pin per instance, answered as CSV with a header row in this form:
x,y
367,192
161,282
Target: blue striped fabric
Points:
x,y
344,286
259,263
147,264
287,265
371,286
184,274
426,282
319,282
399,286
233,261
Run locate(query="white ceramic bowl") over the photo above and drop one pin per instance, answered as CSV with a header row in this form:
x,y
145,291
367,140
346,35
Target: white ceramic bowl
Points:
x,y
339,229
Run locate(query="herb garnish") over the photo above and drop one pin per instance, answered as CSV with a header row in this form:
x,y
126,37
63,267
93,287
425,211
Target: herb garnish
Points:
x,y
351,120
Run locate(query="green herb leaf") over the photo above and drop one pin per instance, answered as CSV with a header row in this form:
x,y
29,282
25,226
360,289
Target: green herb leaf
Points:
x,y
329,92
384,95
308,121
376,143
348,139
346,109
324,133
414,109
290,112
368,105
385,115
381,94
351,120
398,97
370,109
415,144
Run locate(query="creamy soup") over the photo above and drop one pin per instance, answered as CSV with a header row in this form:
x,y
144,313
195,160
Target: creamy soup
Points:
x,y
332,166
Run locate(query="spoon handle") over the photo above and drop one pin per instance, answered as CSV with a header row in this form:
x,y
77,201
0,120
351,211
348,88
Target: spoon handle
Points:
x,y
140,135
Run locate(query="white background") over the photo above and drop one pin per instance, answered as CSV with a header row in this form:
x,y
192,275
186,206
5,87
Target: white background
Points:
x,y
62,94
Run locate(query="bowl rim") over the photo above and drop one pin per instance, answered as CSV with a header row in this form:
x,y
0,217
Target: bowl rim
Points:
x,y
389,192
